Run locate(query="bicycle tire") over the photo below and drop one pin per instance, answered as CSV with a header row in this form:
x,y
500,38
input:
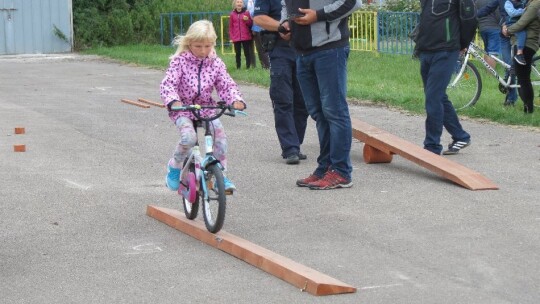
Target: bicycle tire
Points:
x,y
535,78
191,209
214,201
465,91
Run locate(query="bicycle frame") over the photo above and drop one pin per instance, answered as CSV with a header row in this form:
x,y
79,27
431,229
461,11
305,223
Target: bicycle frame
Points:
x,y
200,163
479,54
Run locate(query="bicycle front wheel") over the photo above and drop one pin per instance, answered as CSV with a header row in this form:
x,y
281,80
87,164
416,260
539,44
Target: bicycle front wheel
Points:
x,y
465,87
214,200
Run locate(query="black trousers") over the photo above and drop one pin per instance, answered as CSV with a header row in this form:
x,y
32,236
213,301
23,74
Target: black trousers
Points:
x,y
263,56
246,45
523,73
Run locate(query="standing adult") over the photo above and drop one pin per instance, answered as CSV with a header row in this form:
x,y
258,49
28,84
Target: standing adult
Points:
x,y
490,30
319,32
529,22
290,114
256,33
446,28
506,46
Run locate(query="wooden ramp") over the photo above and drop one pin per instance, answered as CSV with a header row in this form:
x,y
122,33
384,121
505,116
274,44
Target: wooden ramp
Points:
x,y
379,146
302,277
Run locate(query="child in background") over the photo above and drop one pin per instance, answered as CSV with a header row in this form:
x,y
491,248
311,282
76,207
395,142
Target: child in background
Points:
x,y
514,9
240,23
194,71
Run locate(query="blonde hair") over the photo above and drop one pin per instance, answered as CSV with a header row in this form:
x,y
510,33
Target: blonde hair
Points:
x,y
234,4
199,31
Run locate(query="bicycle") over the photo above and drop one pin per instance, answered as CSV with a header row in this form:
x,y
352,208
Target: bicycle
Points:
x,y
465,86
203,177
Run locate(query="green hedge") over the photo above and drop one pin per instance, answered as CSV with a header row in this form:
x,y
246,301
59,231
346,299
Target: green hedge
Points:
x,y
120,22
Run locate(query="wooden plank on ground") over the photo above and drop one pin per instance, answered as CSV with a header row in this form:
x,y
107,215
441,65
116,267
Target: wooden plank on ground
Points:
x,y
152,103
136,103
390,144
303,277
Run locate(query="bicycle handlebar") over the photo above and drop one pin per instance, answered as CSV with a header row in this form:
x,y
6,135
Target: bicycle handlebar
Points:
x,y
221,106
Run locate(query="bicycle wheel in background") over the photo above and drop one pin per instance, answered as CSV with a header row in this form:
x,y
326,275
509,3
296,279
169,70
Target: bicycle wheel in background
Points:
x,y
535,79
464,88
214,201
191,209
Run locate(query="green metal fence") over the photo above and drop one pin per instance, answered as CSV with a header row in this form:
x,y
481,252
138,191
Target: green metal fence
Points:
x,y
383,32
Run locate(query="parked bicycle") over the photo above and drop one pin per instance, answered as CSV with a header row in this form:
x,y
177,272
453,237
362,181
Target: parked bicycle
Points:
x,y
202,178
465,85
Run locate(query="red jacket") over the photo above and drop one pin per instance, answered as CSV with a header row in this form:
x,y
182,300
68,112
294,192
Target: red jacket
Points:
x,y
240,29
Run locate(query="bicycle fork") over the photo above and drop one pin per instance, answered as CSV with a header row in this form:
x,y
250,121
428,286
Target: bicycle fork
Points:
x,y
209,160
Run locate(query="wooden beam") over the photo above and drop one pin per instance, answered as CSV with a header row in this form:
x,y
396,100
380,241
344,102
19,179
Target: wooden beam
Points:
x,y
152,103
386,143
302,277
136,103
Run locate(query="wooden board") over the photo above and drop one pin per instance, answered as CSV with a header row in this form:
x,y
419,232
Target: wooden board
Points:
x,y
389,144
135,103
301,276
152,103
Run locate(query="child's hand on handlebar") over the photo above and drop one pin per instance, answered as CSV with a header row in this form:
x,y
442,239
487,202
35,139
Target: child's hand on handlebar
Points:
x,y
239,105
175,104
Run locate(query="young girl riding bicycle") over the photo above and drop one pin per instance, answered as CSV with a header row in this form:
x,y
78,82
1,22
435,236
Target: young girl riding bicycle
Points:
x,y
194,71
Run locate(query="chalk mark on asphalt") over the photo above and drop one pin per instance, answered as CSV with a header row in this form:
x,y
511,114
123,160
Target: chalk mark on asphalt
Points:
x,y
146,248
380,286
73,184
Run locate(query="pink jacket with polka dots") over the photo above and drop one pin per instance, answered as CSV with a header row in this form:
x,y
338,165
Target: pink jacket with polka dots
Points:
x,y
192,80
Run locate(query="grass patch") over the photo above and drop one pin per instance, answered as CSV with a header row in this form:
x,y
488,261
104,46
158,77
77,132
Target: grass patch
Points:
x,y
393,80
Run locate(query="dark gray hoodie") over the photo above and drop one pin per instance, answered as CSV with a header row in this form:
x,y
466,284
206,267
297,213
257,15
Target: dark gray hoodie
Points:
x,y
331,29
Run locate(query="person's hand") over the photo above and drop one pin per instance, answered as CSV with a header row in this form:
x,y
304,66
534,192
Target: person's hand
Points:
x,y
245,18
239,105
310,16
175,104
285,31
504,30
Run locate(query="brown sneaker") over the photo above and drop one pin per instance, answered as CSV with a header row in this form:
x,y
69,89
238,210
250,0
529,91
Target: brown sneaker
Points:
x,y
306,182
331,180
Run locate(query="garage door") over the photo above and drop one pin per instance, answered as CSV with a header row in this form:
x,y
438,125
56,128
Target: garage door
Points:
x,y
36,26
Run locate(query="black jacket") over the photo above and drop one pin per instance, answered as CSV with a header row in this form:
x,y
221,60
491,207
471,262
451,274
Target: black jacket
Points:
x,y
446,25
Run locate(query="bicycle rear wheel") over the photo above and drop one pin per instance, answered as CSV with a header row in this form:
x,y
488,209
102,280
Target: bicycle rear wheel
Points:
x,y
535,78
464,88
214,200
191,208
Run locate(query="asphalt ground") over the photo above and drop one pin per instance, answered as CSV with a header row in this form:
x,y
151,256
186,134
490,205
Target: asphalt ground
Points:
x,y
73,227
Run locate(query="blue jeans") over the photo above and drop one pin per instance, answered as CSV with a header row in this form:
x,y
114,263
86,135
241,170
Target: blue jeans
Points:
x,y
323,78
506,46
436,69
521,36
492,41
290,114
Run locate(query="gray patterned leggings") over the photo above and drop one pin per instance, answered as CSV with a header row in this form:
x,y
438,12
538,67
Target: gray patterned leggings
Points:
x,y
188,138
